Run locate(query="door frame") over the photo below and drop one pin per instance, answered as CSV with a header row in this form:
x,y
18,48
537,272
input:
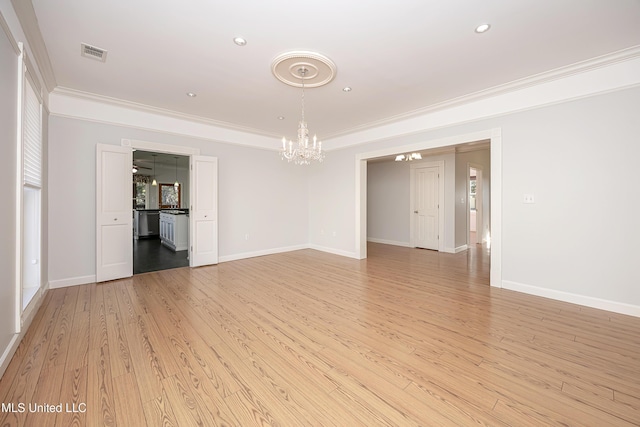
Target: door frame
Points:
x,y
439,164
494,136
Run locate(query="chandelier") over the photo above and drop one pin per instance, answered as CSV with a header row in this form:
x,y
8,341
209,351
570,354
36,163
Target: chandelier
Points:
x,y
306,70
408,157
305,151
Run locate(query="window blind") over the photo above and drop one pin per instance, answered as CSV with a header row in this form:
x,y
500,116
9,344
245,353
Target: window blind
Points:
x,y
32,135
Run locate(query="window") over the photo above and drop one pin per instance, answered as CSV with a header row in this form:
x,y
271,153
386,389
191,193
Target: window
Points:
x,y
31,189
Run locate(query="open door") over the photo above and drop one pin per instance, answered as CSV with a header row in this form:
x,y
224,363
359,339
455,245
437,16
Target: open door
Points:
x,y
203,214
114,243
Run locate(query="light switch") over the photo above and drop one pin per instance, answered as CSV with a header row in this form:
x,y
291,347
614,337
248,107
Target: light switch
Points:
x,y
528,198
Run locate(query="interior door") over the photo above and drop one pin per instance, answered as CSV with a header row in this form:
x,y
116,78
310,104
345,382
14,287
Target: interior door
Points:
x,y
203,214
114,242
426,187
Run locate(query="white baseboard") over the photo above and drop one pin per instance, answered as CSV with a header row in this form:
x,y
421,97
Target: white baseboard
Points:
x,y
389,242
456,249
333,251
72,281
10,350
602,304
245,255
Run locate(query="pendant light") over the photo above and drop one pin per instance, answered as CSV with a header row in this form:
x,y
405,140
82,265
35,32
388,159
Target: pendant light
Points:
x,y
154,170
176,184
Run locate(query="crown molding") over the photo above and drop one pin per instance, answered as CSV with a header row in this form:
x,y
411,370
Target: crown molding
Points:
x,y
7,31
63,91
536,79
29,22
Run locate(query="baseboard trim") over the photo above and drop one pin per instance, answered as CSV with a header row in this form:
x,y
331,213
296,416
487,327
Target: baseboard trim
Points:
x,y
389,242
333,251
602,304
254,254
72,281
459,249
6,357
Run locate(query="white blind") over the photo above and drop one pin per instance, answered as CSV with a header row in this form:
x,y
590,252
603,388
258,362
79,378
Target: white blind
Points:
x,y
32,134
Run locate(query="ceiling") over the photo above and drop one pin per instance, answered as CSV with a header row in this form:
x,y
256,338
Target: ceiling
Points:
x,y
398,57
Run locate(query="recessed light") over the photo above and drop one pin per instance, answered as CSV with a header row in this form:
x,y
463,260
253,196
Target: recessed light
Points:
x,y
240,41
482,28
191,95
280,117
346,89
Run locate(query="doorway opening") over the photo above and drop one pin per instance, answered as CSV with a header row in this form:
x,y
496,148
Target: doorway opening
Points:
x,y
477,233
456,209
160,211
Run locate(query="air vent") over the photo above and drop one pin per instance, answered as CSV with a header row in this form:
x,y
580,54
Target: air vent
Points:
x,y
93,52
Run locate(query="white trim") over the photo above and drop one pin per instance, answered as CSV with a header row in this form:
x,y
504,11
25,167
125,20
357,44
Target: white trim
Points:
x,y
5,359
602,304
622,71
158,147
333,251
254,254
160,111
516,85
7,31
72,281
460,249
389,242
495,207
441,218
19,189
29,22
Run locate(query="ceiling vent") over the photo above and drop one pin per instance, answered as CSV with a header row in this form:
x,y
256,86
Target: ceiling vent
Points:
x,y
93,52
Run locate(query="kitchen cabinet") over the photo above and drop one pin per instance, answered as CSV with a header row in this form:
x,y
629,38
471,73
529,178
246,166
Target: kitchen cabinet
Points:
x,y
174,230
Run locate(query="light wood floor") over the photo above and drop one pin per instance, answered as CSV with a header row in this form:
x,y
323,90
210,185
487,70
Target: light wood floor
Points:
x,y
407,337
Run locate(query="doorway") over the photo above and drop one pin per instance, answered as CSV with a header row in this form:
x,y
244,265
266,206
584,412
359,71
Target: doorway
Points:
x,y
492,136
475,217
160,211
114,214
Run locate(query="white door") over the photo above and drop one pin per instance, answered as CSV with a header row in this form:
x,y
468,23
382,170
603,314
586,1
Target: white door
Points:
x,y
203,214
114,212
426,212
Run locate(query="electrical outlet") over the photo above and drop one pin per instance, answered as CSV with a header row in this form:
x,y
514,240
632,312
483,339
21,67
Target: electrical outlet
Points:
x,y
246,237
528,198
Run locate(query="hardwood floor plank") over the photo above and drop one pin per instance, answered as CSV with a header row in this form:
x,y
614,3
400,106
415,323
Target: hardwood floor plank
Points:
x,y
405,337
73,397
48,392
126,400
100,405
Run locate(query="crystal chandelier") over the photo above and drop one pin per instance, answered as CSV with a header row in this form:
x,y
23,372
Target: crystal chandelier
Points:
x,y
408,157
305,151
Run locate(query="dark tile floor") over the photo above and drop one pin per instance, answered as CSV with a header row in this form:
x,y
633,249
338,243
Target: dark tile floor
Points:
x,y
150,255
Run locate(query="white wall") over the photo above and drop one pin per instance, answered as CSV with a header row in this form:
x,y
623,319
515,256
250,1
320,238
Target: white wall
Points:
x,y
388,202
259,196
578,242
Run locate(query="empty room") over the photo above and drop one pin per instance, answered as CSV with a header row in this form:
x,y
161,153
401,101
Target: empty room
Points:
x,y
415,213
